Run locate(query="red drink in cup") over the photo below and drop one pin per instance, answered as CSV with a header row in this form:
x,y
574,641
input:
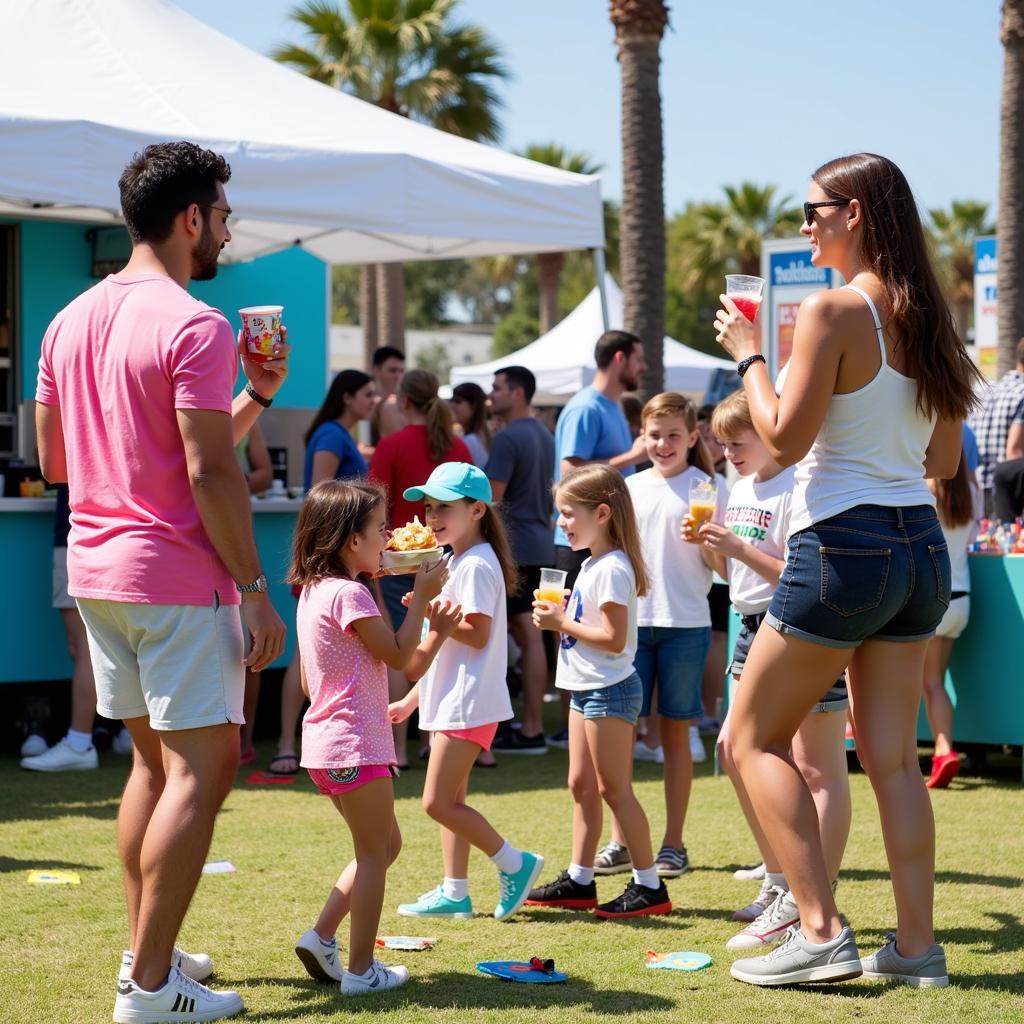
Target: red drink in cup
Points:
x,y
747,292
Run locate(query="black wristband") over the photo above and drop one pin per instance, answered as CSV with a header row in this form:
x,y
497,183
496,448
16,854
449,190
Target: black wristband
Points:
x,y
746,364
257,397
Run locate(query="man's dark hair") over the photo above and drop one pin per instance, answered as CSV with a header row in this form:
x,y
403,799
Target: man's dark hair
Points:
x,y
705,412
163,180
386,352
610,344
1020,352
520,377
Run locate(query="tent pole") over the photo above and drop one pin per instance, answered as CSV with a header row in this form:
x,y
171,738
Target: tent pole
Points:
x,y
599,273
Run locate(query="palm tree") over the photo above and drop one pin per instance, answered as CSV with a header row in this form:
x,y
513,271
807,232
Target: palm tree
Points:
x,y
550,264
710,240
1011,186
639,26
953,233
408,57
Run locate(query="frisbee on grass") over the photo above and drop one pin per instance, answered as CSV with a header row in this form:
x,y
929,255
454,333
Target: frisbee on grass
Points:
x,y
529,972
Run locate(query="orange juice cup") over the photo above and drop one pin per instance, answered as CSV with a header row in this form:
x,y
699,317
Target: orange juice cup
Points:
x,y
703,504
552,586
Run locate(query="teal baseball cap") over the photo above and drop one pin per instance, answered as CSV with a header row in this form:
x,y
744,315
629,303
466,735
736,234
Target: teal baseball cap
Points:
x,y
452,481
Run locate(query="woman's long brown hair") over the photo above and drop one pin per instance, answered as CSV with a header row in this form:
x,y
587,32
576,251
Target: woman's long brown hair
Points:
x,y
594,485
492,529
420,388
955,497
894,248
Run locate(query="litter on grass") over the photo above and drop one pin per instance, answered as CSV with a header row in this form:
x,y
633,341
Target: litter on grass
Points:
x,y
678,961
409,942
54,878
219,867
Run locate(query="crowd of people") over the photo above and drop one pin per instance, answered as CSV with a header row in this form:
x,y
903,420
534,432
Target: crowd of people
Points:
x,y
842,544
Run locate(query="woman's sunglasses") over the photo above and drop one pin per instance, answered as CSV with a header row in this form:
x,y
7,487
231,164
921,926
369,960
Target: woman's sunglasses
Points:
x,y
809,208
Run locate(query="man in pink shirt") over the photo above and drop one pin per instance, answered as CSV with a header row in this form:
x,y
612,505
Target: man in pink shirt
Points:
x,y
135,411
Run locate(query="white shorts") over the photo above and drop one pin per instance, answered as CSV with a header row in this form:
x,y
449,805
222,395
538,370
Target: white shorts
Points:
x,y
955,620
179,665
61,598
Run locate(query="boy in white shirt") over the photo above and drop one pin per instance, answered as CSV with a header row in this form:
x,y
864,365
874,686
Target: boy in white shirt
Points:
x,y
750,550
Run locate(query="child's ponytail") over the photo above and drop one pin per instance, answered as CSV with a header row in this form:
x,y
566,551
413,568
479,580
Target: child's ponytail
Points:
x,y
492,529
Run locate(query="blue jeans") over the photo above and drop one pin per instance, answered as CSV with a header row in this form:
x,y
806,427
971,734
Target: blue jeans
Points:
x,y
868,573
673,660
622,700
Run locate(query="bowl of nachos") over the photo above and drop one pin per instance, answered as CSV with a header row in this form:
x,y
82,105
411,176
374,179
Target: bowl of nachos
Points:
x,y
409,547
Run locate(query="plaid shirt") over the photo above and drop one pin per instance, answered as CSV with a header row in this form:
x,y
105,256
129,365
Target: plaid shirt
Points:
x,y
1003,404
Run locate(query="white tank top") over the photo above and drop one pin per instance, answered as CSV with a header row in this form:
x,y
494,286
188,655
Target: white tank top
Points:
x,y
869,450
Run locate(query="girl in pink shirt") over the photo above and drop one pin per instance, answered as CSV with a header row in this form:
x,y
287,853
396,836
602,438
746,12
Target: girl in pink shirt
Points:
x,y
347,746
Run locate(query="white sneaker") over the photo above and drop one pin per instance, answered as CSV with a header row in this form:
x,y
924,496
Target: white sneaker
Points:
x,y
697,751
771,927
318,957
197,966
379,978
33,746
122,743
753,910
181,999
642,752
754,874
62,757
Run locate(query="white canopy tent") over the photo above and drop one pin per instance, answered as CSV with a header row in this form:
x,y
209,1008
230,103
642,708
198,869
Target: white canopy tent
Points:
x,y
85,83
563,359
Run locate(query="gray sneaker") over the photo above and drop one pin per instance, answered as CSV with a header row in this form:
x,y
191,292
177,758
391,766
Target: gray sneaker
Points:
x,y
928,971
798,961
613,859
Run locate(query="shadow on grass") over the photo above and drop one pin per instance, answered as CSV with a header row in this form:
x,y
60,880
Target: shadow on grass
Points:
x,y
9,864
556,915
879,875
461,990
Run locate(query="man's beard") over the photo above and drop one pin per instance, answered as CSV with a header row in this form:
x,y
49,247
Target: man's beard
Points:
x,y
205,255
628,382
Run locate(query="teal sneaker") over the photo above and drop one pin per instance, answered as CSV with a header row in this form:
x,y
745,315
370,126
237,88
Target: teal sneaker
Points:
x,y
515,888
436,904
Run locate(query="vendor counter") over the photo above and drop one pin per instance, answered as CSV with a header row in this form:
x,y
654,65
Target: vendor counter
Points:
x,y
986,674
33,642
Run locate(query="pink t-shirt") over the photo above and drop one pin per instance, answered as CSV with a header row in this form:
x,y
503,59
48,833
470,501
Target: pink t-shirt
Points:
x,y
347,721
119,361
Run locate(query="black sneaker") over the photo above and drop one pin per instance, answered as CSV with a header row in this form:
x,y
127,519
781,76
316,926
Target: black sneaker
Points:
x,y
564,892
560,739
637,901
514,741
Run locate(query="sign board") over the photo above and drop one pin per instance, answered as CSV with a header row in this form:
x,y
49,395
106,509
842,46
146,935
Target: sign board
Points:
x,y
790,277
986,304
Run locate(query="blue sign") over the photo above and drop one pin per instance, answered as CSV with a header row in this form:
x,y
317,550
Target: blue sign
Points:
x,y
985,260
795,268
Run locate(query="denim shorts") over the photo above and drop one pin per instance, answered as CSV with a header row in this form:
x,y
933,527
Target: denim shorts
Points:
x,y
621,700
392,590
836,697
871,573
673,660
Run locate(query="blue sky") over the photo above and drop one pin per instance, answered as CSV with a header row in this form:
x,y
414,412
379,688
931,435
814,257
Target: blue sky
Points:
x,y
751,89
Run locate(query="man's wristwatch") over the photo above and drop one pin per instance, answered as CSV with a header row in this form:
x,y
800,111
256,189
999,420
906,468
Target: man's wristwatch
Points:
x,y
258,585
257,397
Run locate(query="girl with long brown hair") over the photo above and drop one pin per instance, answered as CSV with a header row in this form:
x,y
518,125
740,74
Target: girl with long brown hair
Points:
x,y
400,461
598,630
469,407
463,697
871,402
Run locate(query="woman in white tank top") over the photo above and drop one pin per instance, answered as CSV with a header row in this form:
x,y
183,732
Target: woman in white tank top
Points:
x,y
871,403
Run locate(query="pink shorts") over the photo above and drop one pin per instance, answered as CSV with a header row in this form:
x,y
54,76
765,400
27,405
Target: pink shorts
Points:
x,y
481,735
335,781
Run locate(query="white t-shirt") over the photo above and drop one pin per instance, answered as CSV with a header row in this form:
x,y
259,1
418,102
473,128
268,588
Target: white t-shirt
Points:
x,y
758,513
680,580
465,687
606,580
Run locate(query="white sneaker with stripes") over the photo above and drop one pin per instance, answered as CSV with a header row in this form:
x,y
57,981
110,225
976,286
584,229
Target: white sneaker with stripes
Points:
x,y
197,966
180,999
379,978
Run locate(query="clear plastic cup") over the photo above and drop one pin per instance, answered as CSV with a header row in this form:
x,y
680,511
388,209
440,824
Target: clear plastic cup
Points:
x,y
747,292
703,504
552,586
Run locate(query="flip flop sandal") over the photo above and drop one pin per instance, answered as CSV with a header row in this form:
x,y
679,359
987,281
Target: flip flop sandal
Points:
x,y
277,758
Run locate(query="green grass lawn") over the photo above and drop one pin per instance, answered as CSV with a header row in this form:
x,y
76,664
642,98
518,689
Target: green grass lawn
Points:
x,y
60,947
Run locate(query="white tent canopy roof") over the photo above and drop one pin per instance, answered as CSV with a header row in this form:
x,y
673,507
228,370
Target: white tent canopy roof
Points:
x,y
85,83
563,359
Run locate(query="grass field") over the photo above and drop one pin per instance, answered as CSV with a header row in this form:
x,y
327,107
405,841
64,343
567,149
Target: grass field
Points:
x,y
60,947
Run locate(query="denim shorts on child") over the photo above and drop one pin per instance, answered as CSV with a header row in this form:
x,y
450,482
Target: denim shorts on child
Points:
x,y
871,573
836,697
336,781
672,659
621,700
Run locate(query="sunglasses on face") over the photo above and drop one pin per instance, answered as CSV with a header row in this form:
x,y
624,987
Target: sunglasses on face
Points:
x,y
809,208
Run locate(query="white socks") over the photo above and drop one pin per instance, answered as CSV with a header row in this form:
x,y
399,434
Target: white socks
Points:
x,y
79,742
456,888
581,875
776,878
647,877
508,859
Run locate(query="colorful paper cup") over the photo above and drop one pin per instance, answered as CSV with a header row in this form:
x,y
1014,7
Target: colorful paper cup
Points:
x,y
261,329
